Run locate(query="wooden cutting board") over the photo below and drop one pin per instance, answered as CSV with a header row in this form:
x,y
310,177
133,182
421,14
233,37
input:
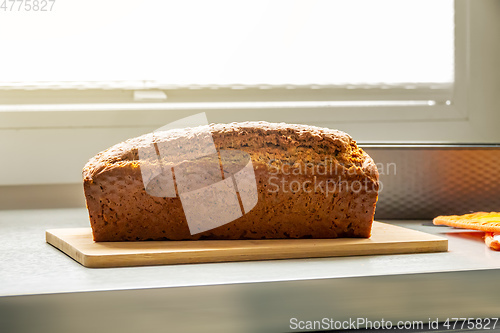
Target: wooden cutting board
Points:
x,y
386,239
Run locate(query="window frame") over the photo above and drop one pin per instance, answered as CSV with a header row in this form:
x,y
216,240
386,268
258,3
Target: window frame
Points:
x,y
48,143
41,103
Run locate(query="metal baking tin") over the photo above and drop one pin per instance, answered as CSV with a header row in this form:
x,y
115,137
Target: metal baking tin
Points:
x,y
424,181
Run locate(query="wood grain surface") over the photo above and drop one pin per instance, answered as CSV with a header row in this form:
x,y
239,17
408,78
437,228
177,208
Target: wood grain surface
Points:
x,y
386,239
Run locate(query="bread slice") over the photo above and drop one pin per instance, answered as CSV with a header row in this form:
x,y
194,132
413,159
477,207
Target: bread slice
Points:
x,y
310,182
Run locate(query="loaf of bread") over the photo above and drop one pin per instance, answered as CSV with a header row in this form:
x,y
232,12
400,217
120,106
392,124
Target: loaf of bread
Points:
x,y
265,180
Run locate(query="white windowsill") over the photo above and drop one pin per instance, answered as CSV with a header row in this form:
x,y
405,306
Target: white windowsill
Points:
x,y
327,113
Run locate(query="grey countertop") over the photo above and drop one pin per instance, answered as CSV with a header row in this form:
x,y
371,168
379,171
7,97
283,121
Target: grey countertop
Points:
x,y
30,266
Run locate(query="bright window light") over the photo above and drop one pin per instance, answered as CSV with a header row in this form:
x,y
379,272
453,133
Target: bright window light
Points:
x,y
231,42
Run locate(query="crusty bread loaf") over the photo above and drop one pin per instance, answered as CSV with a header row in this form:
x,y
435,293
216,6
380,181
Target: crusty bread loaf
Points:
x,y
311,183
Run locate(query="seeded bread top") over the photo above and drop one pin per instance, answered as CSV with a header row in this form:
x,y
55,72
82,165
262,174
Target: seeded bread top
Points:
x,y
279,142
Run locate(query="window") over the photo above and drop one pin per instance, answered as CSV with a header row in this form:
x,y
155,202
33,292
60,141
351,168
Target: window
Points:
x,y
224,42
90,73
342,47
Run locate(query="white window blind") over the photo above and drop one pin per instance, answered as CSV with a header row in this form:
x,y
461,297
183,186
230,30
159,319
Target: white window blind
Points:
x,y
172,43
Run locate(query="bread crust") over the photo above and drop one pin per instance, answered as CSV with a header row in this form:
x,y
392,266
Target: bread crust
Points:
x,y
121,210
